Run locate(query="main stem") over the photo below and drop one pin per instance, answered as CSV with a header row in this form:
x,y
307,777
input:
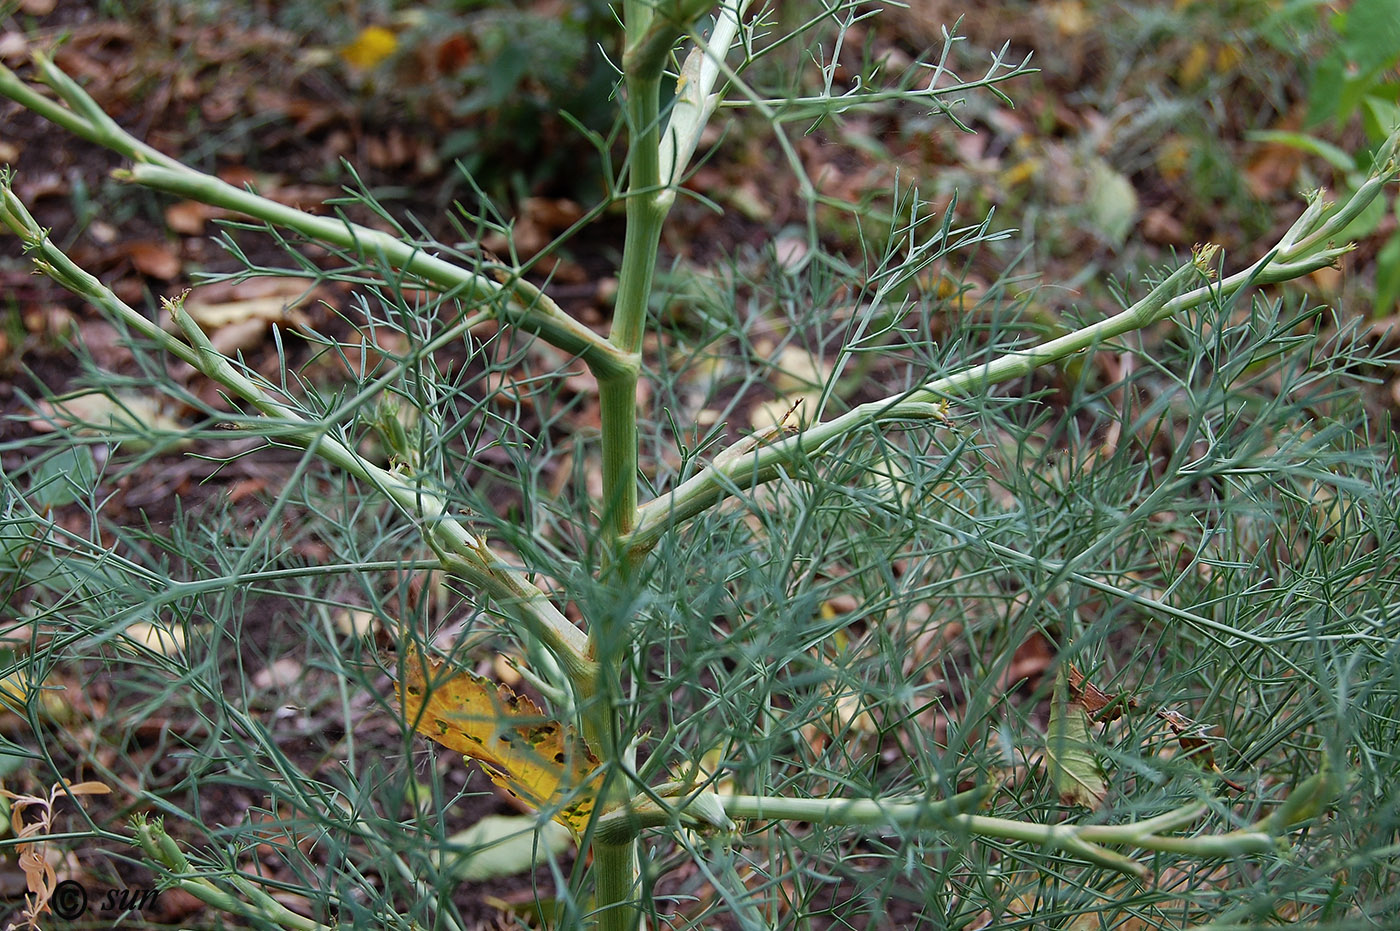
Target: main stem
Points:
x,y
646,212
615,865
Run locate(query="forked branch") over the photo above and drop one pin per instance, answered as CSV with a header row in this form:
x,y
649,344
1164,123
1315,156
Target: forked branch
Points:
x,y
460,550
1308,245
508,296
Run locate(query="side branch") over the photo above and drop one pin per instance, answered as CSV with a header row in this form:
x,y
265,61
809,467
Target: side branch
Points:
x,y
695,97
517,301
1305,248
458,548
957,815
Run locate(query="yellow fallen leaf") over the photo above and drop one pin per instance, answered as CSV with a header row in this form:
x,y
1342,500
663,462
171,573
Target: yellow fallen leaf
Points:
x,y
1069,752
15,687
1069,17
1227,58
371,46
539,761
167,641
1194,66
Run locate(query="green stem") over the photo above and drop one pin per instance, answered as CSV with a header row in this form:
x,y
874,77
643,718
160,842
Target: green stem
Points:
x,y
646,213
1306,248
520,303
896,812
650,33
615,865
1082,841
1128,835
615,869
459,549
252,901
913,813
91,123
956,815
656,163
617,399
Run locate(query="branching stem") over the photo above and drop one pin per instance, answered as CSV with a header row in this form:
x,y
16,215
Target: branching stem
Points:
x,y
516,300
460,550
1306,248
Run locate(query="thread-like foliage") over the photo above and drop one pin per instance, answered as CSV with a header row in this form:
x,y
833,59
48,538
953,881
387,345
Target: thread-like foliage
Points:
x,y
811,667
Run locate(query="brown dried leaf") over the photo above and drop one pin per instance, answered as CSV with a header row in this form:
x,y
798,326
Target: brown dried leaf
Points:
x,y
1101,706
91,787
240,336
271,300
1031,659
39,875
155,259
1196,739
188,217
98,412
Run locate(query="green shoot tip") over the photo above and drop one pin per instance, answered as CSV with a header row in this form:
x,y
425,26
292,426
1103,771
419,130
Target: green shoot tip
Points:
x,y
1203,257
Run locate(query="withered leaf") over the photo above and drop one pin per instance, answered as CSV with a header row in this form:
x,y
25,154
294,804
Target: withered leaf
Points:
x,y
1196,739
156,259
539,761
1101,706
1069,753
